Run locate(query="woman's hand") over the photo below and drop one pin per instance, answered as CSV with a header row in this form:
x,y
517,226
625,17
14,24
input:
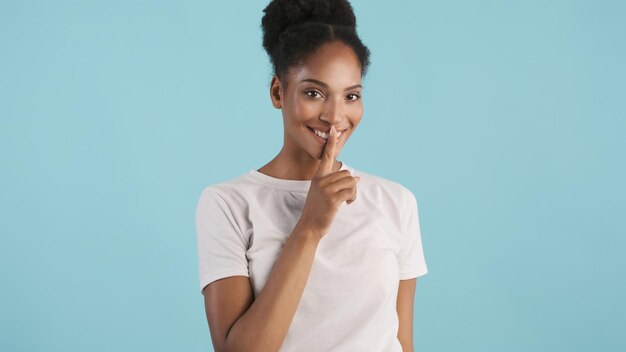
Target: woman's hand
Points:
x,y
328,191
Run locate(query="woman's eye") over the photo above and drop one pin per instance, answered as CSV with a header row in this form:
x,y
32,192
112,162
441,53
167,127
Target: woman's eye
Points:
x,y
310,92
356,96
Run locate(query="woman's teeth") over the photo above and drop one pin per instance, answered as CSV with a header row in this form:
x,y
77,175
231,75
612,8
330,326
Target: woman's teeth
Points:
x,y
325,135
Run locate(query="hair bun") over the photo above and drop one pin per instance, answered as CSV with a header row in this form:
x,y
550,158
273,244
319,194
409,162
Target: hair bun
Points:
x,y
283,14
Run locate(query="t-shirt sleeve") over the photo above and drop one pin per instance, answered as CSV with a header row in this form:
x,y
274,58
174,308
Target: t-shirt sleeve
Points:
x,y
221,243
411,259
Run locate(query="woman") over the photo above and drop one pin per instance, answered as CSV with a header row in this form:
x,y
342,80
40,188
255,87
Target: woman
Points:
x,y
283,263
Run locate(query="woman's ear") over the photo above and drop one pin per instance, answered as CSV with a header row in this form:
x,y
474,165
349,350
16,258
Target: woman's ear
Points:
x,y
276,93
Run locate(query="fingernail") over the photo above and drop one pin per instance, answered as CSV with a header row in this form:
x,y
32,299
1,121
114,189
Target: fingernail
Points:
x,y
332,130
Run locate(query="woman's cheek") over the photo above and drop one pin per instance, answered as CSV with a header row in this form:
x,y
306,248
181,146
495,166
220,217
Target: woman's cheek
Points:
x,y
307,110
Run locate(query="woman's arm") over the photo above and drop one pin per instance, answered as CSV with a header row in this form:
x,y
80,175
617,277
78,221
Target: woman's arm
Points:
x,y
264,326
406,296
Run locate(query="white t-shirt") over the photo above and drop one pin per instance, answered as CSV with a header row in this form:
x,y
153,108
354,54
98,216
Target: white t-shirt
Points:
x,y
349,301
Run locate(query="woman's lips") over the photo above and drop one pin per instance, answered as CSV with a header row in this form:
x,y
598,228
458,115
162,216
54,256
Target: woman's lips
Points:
x,y
322,140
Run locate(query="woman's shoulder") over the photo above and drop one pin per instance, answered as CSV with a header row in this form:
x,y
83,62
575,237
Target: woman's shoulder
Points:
x,y
228,188
382,185
379,181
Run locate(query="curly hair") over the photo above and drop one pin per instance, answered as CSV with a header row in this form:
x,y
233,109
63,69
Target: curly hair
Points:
x,y
295,29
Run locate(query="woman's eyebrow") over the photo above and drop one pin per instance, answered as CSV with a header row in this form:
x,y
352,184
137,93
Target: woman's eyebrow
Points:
x,y
326,85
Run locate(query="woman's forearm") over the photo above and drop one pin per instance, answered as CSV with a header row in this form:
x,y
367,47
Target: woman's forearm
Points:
x,y
265,324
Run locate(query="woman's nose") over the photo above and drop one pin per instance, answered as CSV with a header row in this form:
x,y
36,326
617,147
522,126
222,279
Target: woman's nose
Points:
x,y
332,113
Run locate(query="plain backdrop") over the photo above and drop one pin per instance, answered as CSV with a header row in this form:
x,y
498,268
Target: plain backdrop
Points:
x,y
506,119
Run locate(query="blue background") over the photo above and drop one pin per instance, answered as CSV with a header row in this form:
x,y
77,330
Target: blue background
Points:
x,y
506,119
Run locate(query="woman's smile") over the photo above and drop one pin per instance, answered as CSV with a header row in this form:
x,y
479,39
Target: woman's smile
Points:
x,y
323,140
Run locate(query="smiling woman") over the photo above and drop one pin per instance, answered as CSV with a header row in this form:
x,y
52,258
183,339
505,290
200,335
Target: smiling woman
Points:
x,y
333,97
284,265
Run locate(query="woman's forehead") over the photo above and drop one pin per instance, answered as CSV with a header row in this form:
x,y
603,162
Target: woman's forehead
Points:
x,y
337,67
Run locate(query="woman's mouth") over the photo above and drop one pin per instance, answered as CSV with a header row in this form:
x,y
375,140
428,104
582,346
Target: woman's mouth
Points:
x,y
318,135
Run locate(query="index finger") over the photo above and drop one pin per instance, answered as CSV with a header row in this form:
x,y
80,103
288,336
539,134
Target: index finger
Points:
x,y
328,155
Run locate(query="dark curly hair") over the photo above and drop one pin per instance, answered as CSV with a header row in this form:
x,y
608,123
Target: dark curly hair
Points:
x,y
295,29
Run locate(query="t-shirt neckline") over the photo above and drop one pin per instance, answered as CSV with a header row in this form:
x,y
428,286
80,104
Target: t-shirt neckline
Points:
x,y
284,184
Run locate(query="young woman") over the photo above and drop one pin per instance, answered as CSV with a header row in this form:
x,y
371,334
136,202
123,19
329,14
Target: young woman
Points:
x,y
284,264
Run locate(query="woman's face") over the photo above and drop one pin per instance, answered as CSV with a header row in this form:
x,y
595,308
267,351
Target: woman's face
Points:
x,y
324,91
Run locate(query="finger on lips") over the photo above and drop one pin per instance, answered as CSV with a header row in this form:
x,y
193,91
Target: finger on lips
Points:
x,y
328,156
